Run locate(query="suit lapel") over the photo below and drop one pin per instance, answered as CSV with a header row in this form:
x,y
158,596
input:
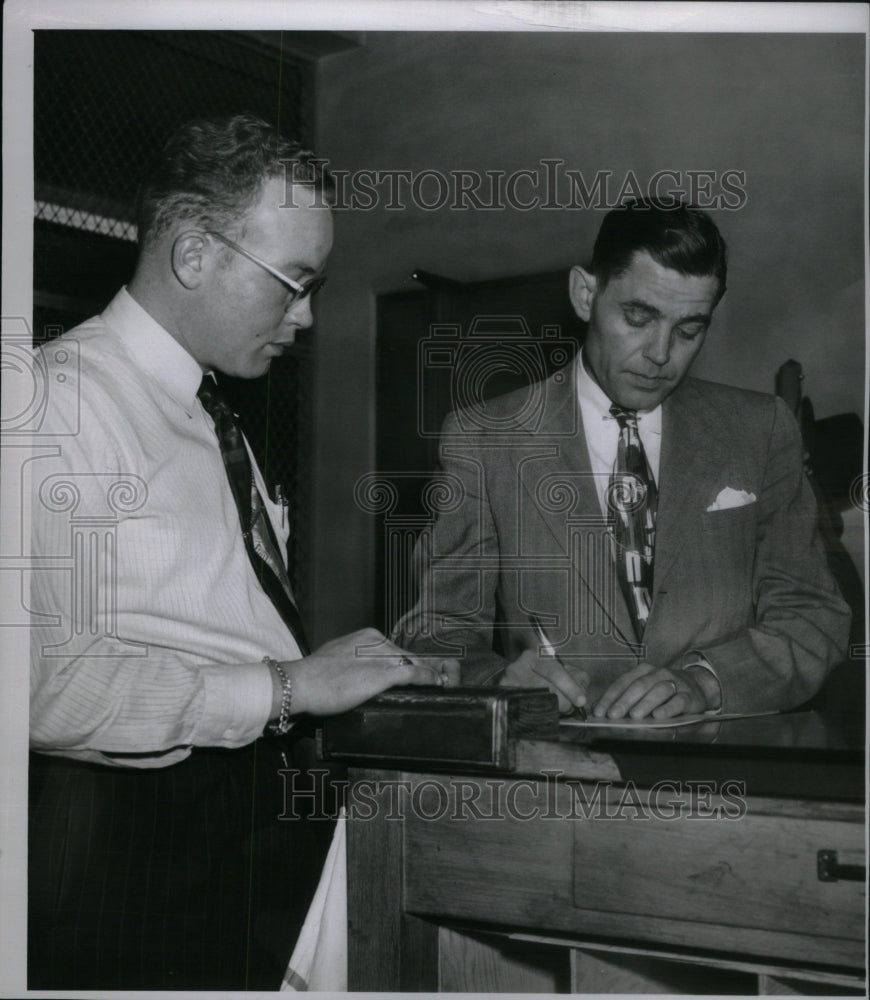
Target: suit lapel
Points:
x,y
558,485
688,467
562,487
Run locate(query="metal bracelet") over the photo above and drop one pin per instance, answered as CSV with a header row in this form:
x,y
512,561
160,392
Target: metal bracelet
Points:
x,y
282,726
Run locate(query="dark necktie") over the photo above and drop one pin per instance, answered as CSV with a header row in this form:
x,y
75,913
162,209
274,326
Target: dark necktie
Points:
x,y
631,501
257,532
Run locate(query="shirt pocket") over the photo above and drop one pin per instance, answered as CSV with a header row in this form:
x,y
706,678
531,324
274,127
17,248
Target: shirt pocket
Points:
x,y
279,515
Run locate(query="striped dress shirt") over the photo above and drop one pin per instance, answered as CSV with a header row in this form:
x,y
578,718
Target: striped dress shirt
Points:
x,y
149,625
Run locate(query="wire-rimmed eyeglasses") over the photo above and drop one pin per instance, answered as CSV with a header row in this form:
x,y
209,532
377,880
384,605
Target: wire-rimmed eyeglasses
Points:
x,y
296,290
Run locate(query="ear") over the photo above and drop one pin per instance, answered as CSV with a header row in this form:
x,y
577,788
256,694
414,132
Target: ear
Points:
x,y
190,258
581,288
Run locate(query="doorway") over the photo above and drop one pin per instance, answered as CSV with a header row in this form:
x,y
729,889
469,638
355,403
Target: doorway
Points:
x,y
446,346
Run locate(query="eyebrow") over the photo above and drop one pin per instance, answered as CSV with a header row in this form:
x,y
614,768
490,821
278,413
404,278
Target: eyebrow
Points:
x,y
651,310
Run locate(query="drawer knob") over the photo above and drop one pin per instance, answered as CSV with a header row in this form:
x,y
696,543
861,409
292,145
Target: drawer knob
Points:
x,y
830,870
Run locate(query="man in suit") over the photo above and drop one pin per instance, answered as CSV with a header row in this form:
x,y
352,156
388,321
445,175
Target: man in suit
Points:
x,y
659,526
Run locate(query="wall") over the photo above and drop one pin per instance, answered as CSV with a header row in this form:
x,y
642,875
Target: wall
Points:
x,y
787,110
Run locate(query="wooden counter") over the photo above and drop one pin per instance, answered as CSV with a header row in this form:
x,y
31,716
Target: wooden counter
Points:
x,y
683,860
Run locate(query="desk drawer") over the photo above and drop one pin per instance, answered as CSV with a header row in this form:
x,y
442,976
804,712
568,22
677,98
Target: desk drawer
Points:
x,y
756,871
595,860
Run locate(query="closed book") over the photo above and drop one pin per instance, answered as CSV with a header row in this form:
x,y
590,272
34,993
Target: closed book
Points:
x,y
467,728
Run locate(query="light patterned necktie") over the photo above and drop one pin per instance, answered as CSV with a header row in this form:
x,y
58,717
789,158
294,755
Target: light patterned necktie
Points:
x,y
257,531
631,502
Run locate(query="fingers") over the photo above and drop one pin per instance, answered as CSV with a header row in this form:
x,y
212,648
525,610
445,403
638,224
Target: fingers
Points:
x,y
610,704
371,650
529,670
350,669
451,672
414,668
663,700
647,690
690,697
431,670
570,692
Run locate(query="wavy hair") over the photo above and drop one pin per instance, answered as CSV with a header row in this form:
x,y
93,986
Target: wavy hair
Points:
x,y
674,234
210,171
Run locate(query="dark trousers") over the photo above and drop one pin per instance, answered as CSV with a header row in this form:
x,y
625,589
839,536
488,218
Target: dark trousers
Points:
x,y
167,879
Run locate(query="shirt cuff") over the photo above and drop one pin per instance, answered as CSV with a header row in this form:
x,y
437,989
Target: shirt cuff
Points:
x,y
694,658
237,704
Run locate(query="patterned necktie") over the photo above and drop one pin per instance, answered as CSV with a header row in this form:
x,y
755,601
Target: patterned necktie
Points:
x,y
632,500
257,531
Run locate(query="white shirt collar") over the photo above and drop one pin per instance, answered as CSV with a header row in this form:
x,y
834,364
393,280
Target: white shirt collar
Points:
x,y
154,349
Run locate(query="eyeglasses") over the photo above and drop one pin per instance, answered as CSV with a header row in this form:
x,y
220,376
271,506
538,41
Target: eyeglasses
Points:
x,y
296,290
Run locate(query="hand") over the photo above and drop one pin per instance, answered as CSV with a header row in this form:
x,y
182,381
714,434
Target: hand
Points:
x,y
649,690
347,671
531,670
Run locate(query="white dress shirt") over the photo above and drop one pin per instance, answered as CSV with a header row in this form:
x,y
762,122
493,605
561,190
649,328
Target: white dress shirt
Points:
x,y
149,625
602,431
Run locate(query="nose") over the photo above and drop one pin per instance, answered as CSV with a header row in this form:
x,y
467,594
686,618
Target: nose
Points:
x,y
658,345
298,313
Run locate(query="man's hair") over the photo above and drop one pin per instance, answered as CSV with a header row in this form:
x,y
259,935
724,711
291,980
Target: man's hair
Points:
x,y
674,234
210,171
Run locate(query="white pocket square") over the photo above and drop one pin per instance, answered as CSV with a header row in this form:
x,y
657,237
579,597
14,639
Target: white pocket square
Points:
x,y
729,498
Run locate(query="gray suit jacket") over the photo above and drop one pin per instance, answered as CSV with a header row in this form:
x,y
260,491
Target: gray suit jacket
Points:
x,y
521,531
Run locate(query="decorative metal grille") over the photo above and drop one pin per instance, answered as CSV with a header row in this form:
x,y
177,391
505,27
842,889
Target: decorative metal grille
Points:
x,y
104,102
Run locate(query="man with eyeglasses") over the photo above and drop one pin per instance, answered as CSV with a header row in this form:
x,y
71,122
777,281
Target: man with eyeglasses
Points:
x,y
157,858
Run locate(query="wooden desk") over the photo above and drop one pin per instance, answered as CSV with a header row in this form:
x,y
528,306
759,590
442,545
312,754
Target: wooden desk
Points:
x,y
597,865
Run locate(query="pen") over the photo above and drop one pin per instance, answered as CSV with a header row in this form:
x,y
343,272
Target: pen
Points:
x,y
579,712
282,500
